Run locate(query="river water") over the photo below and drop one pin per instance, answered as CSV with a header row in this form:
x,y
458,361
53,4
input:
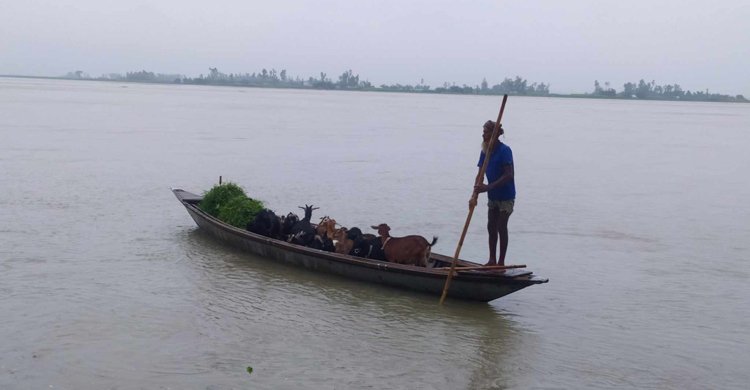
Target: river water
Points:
x,y
636,211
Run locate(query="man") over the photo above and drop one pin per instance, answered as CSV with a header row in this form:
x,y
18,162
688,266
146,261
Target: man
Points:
x,y
501,191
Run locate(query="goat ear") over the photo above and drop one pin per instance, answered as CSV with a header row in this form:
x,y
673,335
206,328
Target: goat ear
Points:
x,y
315,208
374,227
301,207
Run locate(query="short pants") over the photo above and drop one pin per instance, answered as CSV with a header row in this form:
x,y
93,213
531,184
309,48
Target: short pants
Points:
x,y
504,206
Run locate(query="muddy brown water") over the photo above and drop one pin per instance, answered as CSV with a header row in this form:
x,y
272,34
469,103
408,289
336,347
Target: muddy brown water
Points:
x,y
636,212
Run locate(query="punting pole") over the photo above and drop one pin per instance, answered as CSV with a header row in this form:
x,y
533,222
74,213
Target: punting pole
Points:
x,y
486,267
473,202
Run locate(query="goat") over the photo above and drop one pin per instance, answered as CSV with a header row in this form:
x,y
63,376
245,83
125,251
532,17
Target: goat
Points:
x,y
287,223
365,245
302,232
266,223
322,243
326,227
343,244
412,249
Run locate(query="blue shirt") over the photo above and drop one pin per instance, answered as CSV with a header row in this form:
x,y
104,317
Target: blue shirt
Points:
x,y
501,157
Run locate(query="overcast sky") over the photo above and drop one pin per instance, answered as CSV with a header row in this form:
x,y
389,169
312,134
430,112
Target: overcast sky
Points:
x,y
697,44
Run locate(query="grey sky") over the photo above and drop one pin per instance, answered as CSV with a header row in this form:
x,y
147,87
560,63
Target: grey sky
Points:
x,y
698,44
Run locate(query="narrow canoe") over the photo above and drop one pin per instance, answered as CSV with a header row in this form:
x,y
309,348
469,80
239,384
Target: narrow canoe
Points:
x,y
470,285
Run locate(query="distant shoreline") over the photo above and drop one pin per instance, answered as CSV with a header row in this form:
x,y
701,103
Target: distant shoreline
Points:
x,y
377,89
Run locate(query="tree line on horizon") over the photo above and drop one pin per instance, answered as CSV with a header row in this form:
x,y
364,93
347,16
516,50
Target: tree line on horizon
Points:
x,y
348,80
651,90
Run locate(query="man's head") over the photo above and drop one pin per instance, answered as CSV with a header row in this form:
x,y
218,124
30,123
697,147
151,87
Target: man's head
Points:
x,y
488,128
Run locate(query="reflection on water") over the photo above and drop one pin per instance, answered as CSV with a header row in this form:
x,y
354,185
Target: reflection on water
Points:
x,y
438,340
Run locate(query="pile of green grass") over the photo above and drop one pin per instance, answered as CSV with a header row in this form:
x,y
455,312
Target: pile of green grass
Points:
x,y
229,203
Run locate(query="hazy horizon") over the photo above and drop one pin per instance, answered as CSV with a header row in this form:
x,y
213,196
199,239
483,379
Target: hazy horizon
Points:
x,y
697,44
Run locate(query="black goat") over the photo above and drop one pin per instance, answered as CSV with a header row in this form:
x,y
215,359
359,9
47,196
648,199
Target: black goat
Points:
x,y
365,245
322,243
266,223
287,223
302,232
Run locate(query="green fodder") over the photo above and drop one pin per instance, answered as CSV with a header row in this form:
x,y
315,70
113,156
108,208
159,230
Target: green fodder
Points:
x,y
218,196
240,210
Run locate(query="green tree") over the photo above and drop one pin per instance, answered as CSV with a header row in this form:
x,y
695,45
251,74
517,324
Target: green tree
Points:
x,y
597,88
628,90
644,89
348,80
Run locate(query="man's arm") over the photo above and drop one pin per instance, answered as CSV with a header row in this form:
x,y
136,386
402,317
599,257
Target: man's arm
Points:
x,y
507,176
477,181
504,178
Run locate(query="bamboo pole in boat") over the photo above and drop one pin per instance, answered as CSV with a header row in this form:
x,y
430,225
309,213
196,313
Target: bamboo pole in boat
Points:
x,y
474,196
485,267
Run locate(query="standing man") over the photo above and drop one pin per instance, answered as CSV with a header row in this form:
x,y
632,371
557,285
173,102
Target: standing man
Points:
x,y
501,191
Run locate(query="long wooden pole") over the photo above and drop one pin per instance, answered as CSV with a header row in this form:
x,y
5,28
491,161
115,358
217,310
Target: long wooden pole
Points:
x,y
486,267
474,196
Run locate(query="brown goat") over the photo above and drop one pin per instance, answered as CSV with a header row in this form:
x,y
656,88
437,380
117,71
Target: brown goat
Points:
x,y
343,244
412,249
327,227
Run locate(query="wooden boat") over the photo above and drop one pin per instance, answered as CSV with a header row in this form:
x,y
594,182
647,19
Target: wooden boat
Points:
x,y
471,284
